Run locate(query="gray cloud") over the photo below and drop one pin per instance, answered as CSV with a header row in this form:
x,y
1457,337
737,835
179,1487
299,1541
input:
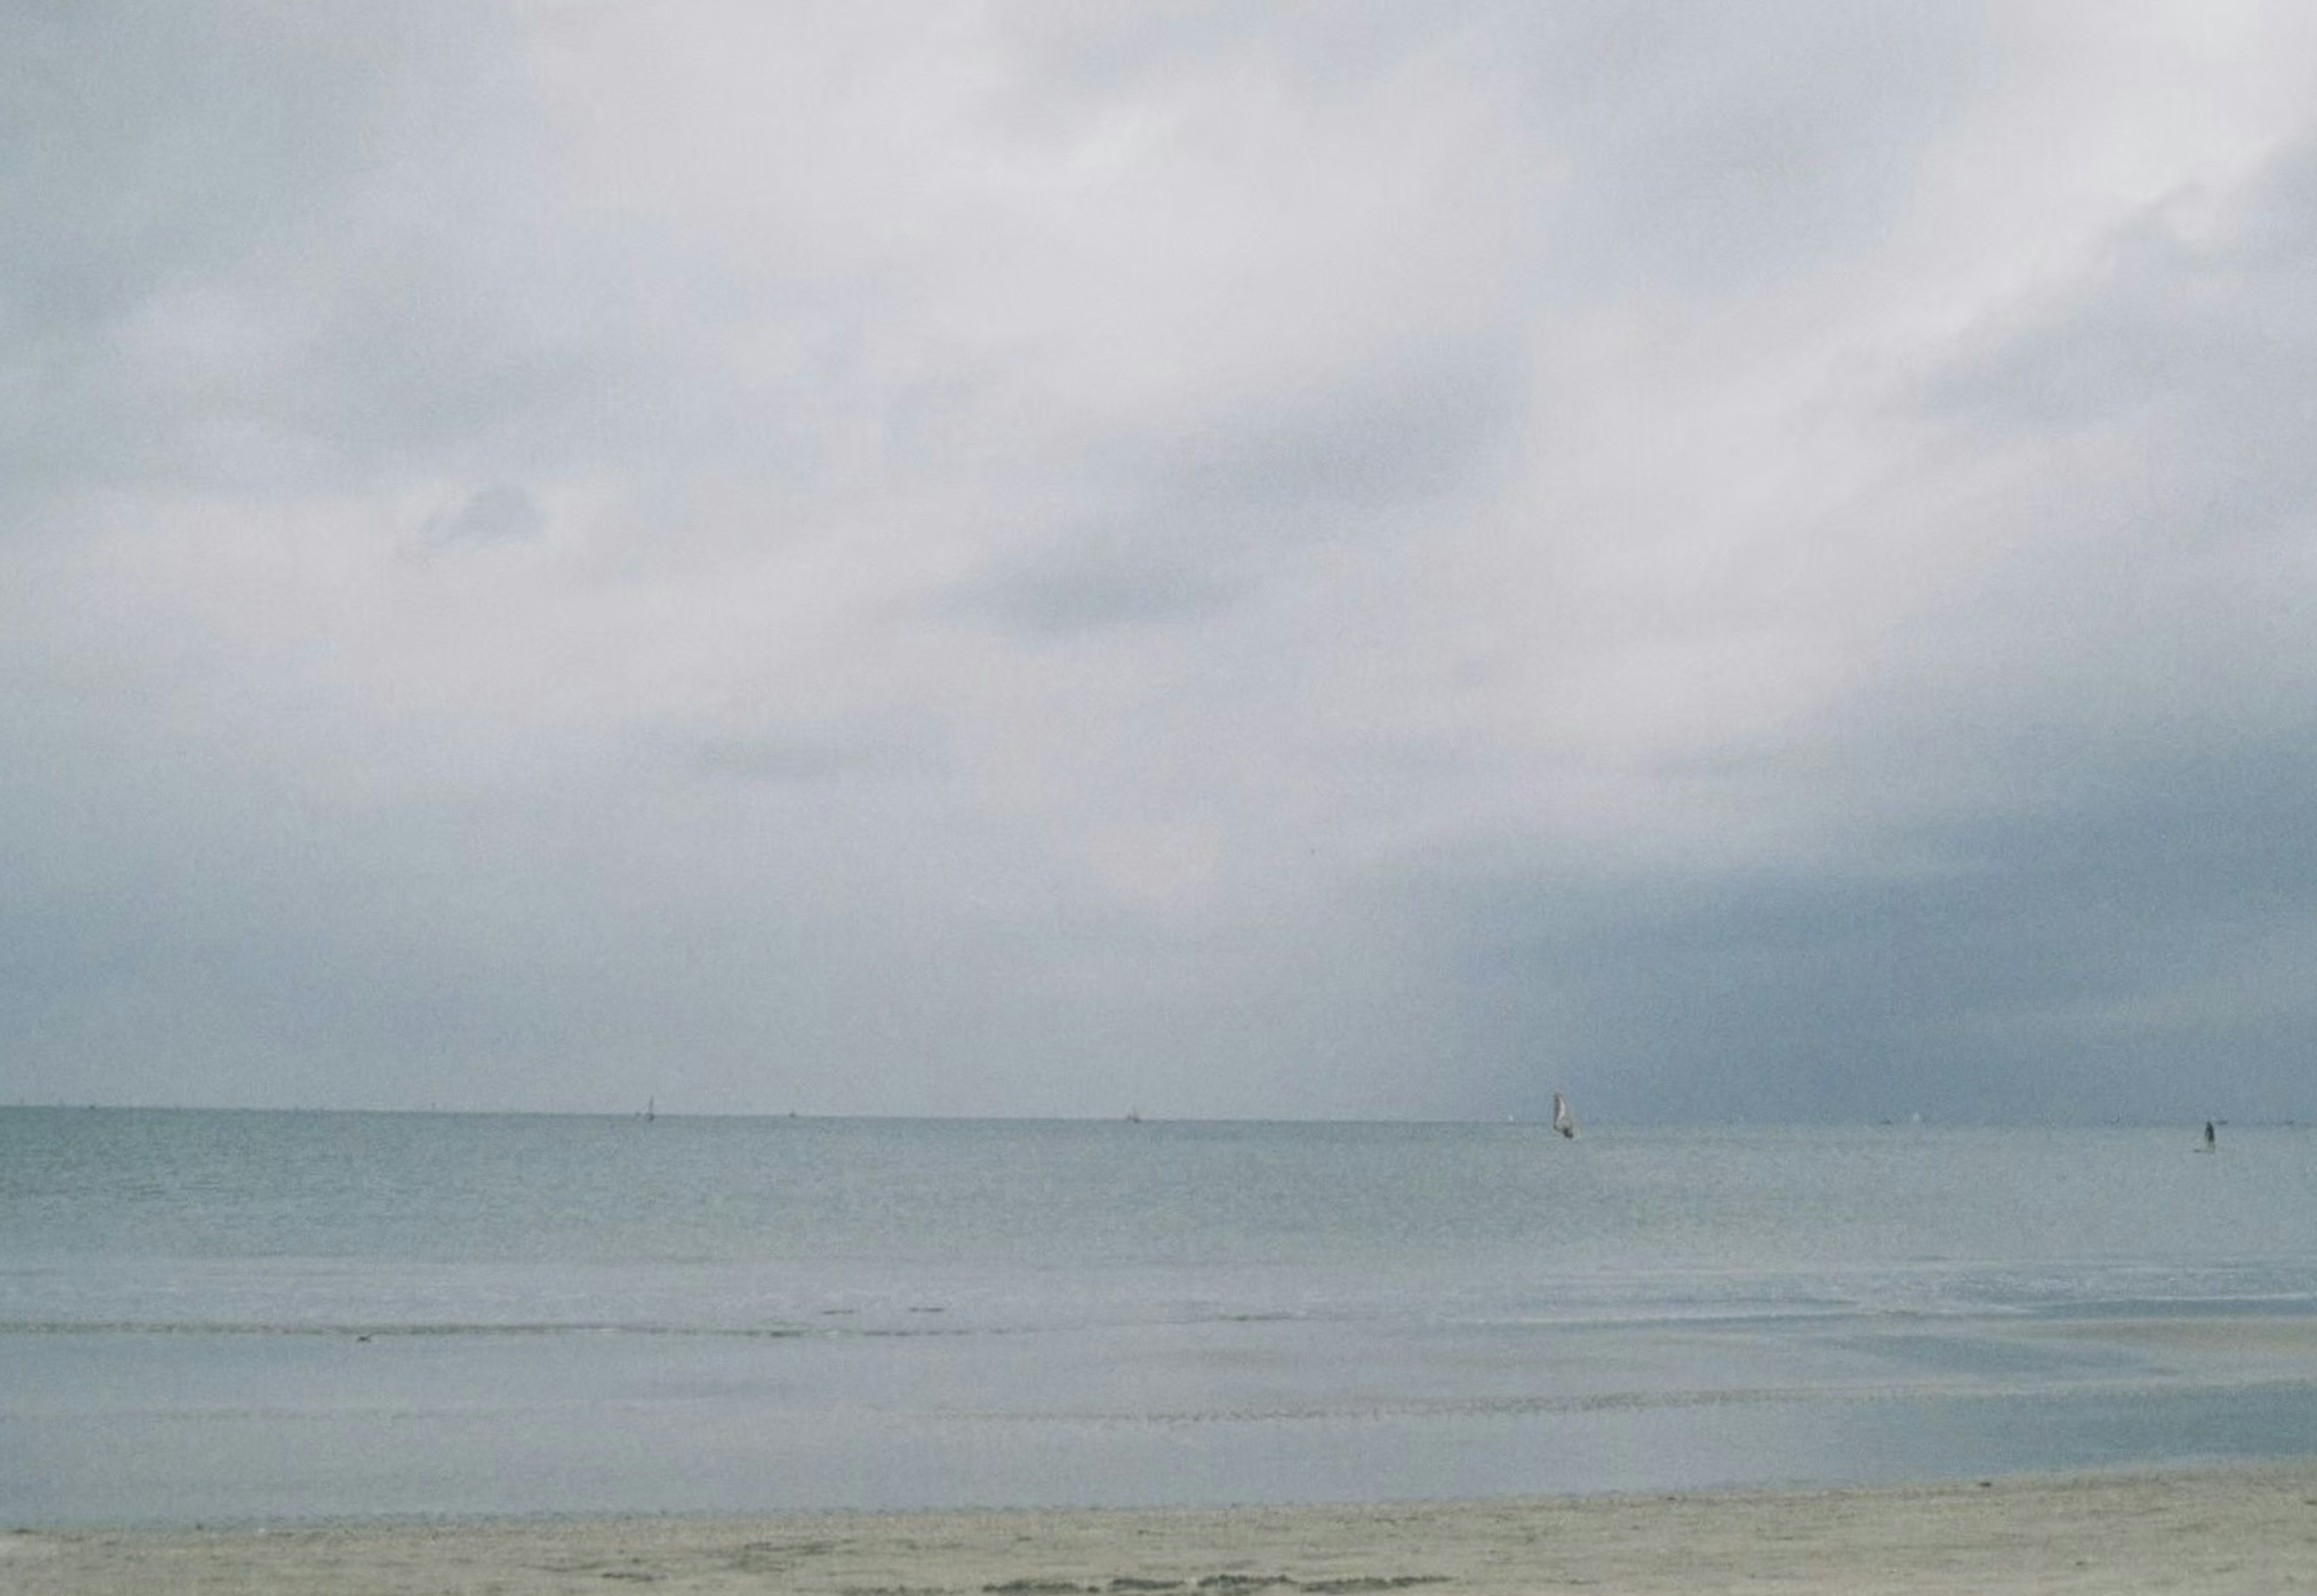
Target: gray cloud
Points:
x,y
2126,955
824,754
1331,559
1082,582
199,207
1355,447
499,513
1195,518
2199,331
1742,148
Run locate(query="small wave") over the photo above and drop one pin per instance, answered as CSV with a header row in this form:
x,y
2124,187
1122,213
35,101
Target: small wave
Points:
x,y
2284,1304
361,1331
388,1331
1614,1401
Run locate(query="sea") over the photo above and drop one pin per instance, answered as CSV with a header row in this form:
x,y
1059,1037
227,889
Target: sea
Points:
x,y
237,1318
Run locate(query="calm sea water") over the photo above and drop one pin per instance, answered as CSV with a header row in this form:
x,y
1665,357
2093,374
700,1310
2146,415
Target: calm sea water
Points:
x,y
236,1316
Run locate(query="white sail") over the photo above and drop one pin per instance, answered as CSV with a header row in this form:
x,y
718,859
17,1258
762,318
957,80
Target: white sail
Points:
x,y
1563,1120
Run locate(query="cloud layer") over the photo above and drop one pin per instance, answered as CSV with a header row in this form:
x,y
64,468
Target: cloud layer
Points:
x,y
1297,559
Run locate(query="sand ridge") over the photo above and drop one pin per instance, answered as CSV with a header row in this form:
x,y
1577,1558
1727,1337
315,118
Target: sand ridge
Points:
x,y
2245,1531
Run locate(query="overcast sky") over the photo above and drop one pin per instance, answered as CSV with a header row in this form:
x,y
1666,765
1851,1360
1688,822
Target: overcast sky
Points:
x,y
1324,560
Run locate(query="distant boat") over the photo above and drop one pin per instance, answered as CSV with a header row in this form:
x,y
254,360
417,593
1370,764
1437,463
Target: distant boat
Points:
x,y
1134,1117
651,1109
2212,1138
1563,1120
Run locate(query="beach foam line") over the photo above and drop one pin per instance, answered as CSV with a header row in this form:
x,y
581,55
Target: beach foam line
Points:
x,y
2248,1530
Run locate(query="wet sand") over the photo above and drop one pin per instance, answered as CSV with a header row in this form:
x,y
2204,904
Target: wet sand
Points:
x,y
2234,1530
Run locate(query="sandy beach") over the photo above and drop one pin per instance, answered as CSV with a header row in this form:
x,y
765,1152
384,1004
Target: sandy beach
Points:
x,y
2234,1530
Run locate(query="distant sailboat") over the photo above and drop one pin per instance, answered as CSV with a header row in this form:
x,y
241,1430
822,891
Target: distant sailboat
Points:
x,y
651,1109
2212,1138
1563,1120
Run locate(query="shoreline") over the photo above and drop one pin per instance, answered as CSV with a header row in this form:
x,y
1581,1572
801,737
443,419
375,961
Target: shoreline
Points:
x,y
2245,1528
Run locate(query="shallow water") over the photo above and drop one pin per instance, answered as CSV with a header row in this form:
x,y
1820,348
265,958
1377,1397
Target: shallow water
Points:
x,y
271,1315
